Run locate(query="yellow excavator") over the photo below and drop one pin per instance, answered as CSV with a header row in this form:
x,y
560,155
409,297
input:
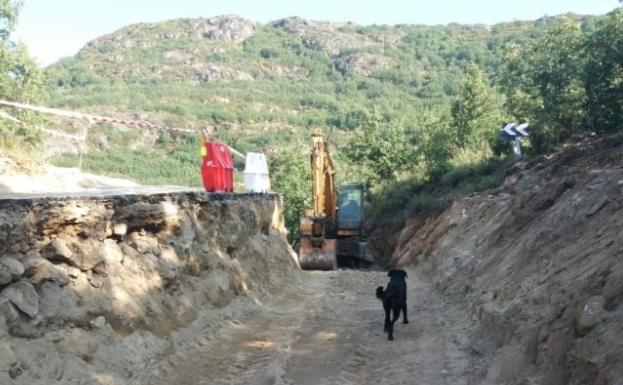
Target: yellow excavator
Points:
x,y
331,232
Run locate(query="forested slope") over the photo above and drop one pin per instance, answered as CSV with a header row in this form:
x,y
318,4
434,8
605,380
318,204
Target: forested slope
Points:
x,y
409,109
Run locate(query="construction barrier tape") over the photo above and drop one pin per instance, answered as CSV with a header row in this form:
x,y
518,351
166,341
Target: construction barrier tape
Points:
x,y
94,119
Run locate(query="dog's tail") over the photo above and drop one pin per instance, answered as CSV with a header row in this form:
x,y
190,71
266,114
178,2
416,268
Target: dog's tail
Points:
x,y
380,293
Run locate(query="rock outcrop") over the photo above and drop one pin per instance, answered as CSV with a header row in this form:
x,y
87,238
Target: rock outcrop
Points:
x,y
226,28
93,281
328,37
363,64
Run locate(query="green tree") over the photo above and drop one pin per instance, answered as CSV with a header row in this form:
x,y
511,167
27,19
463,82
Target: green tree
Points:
x,y
386,149
20,79
543,83
434,134
477,112
603,74
290,175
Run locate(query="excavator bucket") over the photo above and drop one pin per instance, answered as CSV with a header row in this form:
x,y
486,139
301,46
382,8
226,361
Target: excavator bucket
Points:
x,y
317,258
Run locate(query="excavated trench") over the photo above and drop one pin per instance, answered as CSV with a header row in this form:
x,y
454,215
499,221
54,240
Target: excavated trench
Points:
x,y
96,289
518,285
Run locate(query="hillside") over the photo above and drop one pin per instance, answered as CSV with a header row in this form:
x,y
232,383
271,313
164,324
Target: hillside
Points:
x,y
264,84
401,105
514,262
538,260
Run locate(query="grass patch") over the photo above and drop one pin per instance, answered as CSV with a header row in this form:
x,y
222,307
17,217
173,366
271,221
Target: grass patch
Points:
x,y
142,166
407,198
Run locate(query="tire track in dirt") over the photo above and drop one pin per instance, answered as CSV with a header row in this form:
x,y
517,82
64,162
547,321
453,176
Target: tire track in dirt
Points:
x,y
330,332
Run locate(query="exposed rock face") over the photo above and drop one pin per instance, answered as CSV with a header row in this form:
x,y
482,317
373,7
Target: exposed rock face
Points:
x,y
362,63
539,260
324,36
211,72
195,51
228,28
102,276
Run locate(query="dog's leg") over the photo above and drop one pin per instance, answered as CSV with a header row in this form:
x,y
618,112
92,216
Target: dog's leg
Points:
x,y
387,310
395,316
404,313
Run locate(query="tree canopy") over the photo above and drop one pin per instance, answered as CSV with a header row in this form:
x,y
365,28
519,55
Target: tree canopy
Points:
x,y
20,78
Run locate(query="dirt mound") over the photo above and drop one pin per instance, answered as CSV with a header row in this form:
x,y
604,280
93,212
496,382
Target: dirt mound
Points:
x,y
539,262
104,286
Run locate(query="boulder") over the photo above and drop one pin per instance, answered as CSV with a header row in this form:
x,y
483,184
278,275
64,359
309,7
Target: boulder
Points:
x,y
13,266
24,296
40,270
110,252
82,254
144,243
73,272
589,315
7,310
96,280
61,250
120,229
5,276
98,323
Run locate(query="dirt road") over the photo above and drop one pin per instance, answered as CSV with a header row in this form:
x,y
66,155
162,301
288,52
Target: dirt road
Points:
x,y
330,331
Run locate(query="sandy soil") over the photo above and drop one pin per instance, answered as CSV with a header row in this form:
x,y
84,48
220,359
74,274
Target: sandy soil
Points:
x,y
329,330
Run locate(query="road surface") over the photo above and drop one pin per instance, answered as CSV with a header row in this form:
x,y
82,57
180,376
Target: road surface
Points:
x,y
330,331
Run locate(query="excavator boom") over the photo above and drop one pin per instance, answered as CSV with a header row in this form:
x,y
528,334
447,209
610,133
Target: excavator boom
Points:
x,y
317,245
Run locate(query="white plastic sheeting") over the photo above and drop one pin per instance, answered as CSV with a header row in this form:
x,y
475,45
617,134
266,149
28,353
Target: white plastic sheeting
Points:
x,y
256,177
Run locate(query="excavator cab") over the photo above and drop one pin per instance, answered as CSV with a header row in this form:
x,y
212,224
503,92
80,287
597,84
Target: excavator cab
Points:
x,y
351,246
350,209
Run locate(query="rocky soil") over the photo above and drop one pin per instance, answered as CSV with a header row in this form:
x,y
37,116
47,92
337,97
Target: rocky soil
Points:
x,y
540,263
91,289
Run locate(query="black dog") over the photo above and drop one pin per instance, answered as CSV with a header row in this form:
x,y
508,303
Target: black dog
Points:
x,y
394,299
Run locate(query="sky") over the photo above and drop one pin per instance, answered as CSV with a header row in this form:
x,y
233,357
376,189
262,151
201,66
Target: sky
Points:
x,y
57,28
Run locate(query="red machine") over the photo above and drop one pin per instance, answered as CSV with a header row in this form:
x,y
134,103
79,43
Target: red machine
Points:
x,y
217,168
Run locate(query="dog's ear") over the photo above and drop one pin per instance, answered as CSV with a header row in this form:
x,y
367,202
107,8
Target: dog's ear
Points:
x,y
404,273
391,273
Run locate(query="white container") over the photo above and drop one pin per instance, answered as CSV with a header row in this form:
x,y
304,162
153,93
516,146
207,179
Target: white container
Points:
x,y
256,173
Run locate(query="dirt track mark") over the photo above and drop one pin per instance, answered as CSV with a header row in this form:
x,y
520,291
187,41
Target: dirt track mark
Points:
x,y
330,333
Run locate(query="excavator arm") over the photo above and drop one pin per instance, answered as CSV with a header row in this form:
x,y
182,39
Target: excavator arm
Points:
x,y
323,189
317,226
